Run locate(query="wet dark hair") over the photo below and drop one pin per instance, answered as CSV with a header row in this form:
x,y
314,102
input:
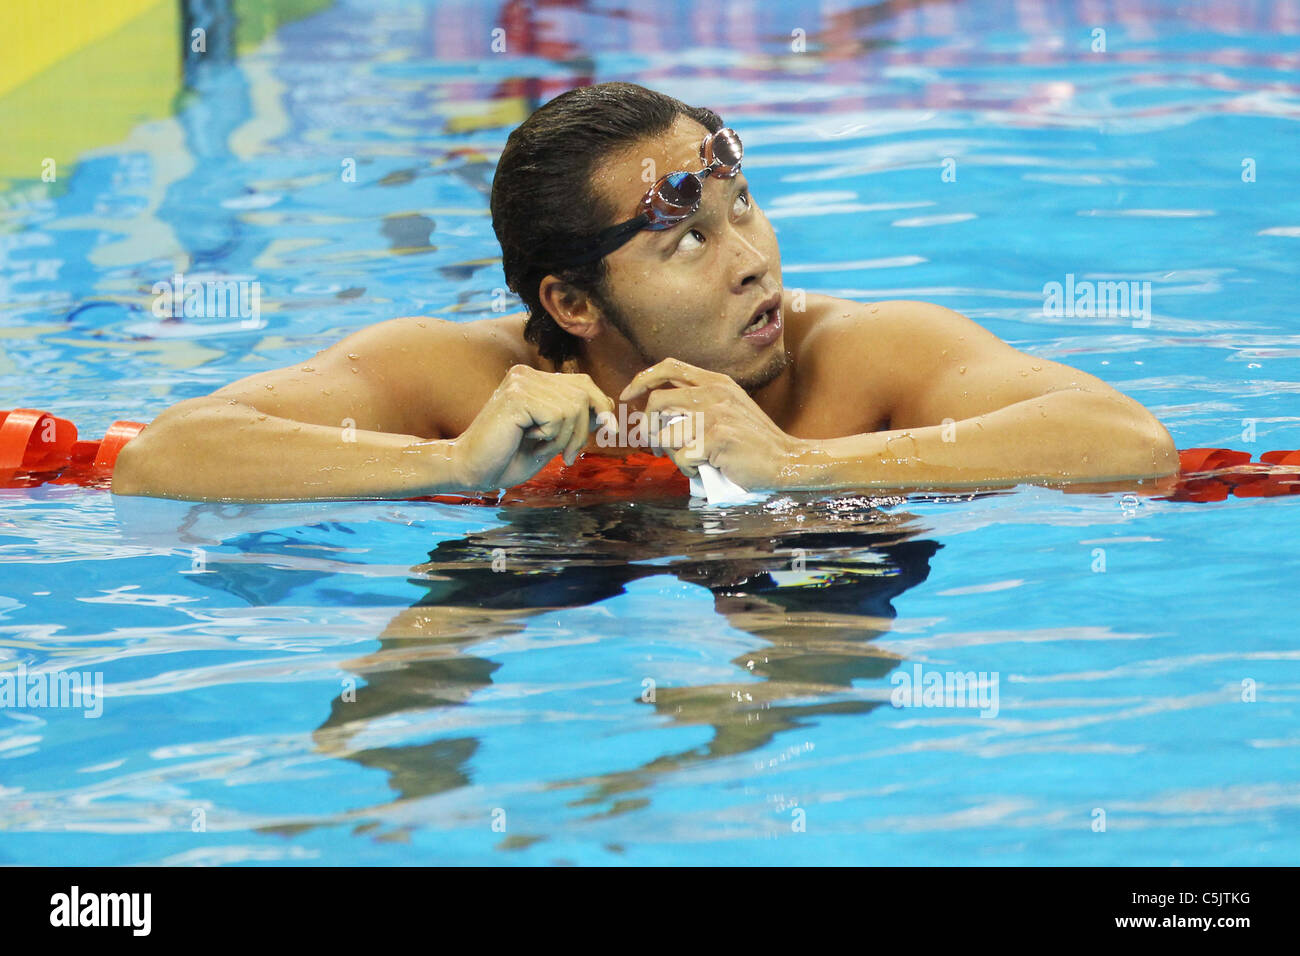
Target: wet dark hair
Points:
x,y
542,194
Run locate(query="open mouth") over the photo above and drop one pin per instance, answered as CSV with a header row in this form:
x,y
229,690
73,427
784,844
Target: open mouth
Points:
x,y
765,326
762,321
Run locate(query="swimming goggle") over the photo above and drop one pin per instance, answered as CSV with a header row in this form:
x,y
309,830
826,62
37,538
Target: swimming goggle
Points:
x,y
673,198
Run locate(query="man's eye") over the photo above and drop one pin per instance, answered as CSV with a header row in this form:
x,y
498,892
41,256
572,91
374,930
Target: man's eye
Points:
x,y
684,246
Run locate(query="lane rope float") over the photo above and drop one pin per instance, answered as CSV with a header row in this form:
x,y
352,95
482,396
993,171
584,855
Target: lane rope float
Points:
x,y
37,447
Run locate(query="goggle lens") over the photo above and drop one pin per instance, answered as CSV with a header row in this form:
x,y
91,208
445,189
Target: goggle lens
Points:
x,y
724,149
670,200
675,198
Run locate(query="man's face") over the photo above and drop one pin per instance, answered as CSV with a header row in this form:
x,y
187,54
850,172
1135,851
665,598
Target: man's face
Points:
x,y
689,291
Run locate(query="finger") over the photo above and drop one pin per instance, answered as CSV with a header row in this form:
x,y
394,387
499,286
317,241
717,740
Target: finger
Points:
x,y
539,455
577,401
576,427
581,432
564,438
547,418
669,371
677,430
682,399
605,420
555,436
684,464
548,392
597,400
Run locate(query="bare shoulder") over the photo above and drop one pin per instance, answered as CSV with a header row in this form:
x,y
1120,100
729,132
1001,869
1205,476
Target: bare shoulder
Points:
x,y
461,362
950,366
911,318
910,337
930,350
925,363
417,335
893,321
842,372
816,323
417,375
878,356
832,330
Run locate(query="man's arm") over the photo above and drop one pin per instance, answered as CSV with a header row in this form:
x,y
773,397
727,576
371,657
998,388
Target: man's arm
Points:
x,y
360,419
968,409
367,419
315,429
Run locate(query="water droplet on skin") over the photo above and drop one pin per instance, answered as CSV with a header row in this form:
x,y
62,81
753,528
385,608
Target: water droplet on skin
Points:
x,y
269,387
900,448
309,368
354,356
355,370
232,402
1036,368
261,418
962,370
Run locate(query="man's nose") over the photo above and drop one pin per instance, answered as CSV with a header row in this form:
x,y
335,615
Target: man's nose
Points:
x,y
750,264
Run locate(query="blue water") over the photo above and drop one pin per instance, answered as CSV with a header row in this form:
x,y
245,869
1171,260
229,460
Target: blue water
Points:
x,y
351,683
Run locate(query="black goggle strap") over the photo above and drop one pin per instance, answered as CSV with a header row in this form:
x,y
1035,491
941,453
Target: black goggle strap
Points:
x,y
605,242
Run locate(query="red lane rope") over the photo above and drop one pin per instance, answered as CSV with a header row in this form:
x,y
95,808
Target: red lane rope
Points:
x,y
1212,474
37,447
638,476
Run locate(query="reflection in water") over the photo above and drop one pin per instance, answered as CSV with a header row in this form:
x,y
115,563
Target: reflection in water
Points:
x,y
208,37
817,583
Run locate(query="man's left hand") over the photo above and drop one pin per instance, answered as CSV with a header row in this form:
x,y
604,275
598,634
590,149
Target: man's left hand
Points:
x,y
723,425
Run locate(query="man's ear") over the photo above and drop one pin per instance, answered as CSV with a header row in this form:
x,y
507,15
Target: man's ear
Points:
x,y
572,309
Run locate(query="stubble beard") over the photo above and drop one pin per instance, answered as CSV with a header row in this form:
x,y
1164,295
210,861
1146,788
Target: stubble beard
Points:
x,y
619,320
777,364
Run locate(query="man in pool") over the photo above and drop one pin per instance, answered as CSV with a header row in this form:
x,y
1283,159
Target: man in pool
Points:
x,y
652,278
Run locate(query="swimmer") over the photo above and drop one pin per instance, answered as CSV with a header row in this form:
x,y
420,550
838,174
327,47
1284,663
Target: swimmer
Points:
x,y
652,278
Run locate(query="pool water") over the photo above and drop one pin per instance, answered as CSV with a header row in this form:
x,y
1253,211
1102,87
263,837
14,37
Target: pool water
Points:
x,y
658,682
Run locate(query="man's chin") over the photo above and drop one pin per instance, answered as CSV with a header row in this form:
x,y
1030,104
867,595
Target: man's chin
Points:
x,y
777,364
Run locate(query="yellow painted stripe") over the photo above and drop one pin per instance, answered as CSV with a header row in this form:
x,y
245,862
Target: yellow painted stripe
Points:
x,y
96,93
39,33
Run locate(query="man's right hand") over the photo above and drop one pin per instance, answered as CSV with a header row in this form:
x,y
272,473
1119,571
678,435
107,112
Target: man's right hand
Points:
x,y
530,418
